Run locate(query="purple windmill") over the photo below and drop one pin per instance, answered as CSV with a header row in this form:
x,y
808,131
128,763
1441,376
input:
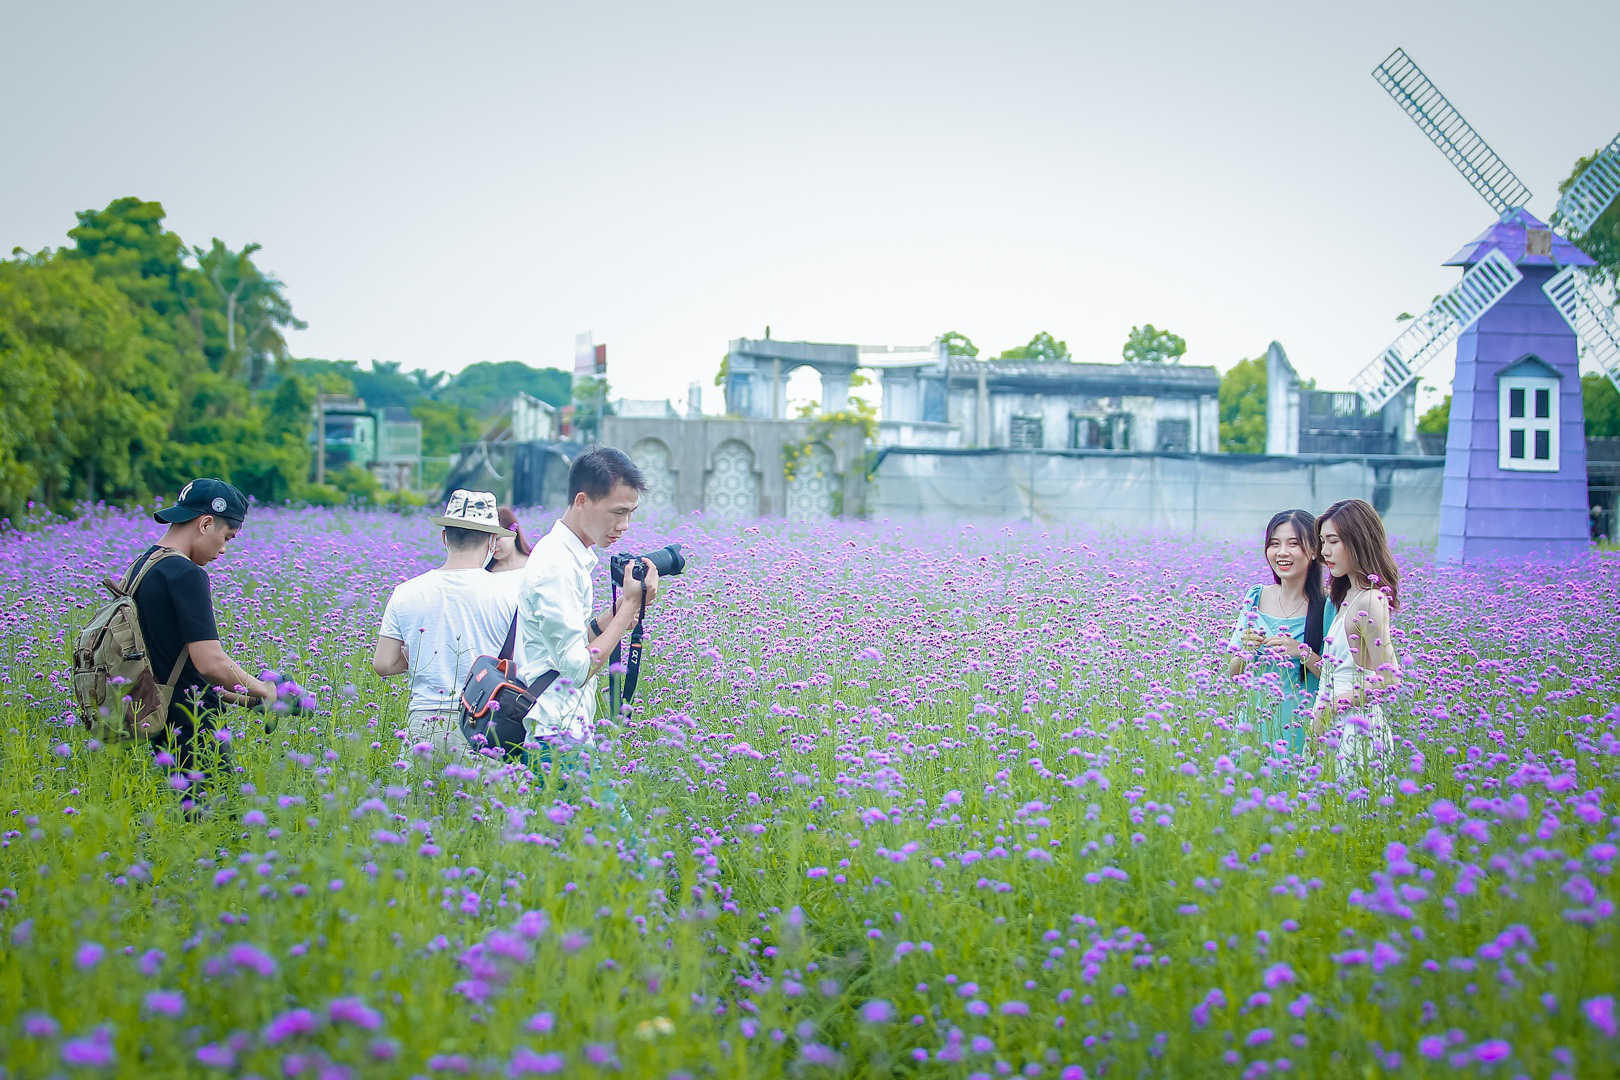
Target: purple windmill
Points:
x,y
1515,477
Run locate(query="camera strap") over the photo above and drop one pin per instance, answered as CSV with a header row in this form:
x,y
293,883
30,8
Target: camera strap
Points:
x,y
632,662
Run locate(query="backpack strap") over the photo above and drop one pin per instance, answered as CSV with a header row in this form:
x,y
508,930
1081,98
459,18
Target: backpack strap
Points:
x,y
179,666
142,567
132,581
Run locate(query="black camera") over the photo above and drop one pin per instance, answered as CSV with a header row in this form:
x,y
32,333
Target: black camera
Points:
x,y
669,561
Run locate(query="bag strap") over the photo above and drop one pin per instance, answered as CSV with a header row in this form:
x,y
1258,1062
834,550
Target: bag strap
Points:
x,y
143,565
179,665
510,644
133,581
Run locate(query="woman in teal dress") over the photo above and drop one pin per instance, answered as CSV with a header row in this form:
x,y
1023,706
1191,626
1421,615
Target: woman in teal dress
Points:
x,y
1280,630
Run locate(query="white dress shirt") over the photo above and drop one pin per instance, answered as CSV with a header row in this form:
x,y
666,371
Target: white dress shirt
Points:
x,y
554,609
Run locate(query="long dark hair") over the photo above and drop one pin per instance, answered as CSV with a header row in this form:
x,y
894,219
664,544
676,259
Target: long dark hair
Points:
x,y
1361,531
1315,598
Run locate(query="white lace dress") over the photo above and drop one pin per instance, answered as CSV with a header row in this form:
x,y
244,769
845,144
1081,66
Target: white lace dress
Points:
x,y
1363,738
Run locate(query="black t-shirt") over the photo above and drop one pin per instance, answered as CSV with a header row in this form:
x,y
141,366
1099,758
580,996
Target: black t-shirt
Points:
x,y
176,607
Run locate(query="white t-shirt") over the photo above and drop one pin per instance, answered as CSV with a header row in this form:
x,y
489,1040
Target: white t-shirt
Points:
x,y
447,619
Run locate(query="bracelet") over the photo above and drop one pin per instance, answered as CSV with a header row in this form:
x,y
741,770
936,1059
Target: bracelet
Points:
x,y
596,628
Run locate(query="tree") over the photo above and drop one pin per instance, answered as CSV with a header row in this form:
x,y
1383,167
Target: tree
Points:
x,y
250,305
84,405
1600,401
446,428
484,385
1242,397
1602,240
1043,348
1149,345
1437,420
958,345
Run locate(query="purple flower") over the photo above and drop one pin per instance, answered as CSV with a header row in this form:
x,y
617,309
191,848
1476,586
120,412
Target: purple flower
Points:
x,y
1492,1050
289,1025
40,1026
1600,1011
165,1003
246,956
877,1011
354,1012
96,1052
526,1062
88,956
216,1056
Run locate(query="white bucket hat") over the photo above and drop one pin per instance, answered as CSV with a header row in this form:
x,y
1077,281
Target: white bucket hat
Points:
x,y
475,510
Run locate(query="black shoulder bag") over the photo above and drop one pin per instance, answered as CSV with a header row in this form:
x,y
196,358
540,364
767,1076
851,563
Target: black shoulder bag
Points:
x,y
494,701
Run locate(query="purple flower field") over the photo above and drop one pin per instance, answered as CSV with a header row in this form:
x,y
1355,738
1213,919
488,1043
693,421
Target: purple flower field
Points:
x,y
899,800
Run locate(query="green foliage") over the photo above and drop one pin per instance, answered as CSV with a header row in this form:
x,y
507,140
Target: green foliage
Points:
x,y
1600,401
446,428
959,345
358,484
483,386
1149,345
1243,407
1437,419
131,363
857,413
1042,347
80,400
1602,240
725,370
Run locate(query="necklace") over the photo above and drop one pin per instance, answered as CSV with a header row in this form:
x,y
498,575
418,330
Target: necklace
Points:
x,y
1296,612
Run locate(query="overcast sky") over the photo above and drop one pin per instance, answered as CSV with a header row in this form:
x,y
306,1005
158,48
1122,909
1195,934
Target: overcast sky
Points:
x,y
441,184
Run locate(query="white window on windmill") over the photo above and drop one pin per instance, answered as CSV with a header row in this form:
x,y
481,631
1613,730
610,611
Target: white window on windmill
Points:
x,y
1527,395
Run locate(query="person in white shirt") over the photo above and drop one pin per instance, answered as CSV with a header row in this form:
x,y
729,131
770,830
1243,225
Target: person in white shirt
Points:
x,y
438,623
555,626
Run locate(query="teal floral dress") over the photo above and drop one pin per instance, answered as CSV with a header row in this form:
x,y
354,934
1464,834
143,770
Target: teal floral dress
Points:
x,y
1280,709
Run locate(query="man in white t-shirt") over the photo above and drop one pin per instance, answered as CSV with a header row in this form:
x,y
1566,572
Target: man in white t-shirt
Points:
x,y
438,623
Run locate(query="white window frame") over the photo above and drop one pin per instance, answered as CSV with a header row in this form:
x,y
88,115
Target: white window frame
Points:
x,y
1529,424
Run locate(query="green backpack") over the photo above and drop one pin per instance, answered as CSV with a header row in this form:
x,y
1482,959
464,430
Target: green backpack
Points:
x,y
118,695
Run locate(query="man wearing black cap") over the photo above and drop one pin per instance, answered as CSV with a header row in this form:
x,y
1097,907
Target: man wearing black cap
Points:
x,y
176,611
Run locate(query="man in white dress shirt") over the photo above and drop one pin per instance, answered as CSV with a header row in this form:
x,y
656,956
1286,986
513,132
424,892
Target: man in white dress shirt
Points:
x,y
555,626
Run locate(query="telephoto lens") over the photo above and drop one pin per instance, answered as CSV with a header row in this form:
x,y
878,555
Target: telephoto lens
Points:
x,y
669,561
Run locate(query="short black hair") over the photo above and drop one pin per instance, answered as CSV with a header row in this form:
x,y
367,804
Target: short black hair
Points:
x,y
597,472
459,539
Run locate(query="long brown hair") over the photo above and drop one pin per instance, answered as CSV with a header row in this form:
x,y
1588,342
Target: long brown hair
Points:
x,y
1315,599
509,521
1361,531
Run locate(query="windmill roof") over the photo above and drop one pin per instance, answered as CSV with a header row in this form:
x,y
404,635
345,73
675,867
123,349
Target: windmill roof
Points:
x,y
1508,235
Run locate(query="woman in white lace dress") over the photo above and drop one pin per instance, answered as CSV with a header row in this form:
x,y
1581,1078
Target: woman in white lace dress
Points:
x,y
1359,663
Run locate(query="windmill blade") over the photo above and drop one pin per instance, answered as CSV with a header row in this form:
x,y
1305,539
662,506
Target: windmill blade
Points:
x,y
1446,128
1486,282
1591,193
1590,315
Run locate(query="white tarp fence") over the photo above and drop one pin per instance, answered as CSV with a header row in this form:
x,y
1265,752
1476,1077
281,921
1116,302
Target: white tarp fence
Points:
x,y
1226,495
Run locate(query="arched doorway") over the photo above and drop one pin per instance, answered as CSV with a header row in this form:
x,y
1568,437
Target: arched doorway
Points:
x,y
813,492
802,392
732,488
653,459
